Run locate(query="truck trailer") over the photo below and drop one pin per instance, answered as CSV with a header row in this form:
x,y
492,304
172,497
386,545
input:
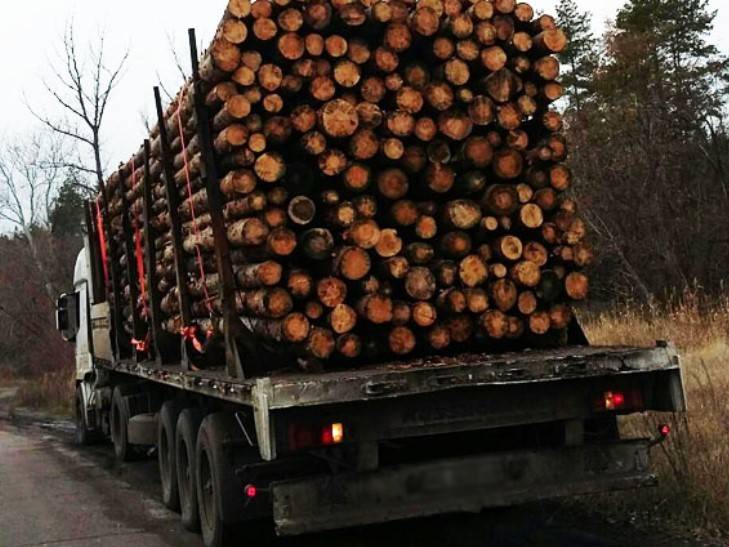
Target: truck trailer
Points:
x,y
397,440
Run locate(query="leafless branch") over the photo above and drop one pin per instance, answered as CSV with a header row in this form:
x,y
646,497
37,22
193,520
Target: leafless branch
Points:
x,y
82,92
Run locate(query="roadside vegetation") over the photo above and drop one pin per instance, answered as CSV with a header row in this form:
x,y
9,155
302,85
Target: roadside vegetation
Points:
x,y
53,392
692,465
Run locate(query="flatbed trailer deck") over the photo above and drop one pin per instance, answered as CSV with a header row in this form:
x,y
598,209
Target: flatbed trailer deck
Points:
x,y
573,376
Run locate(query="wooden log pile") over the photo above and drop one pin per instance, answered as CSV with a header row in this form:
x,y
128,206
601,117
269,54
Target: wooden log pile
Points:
x,y
393,178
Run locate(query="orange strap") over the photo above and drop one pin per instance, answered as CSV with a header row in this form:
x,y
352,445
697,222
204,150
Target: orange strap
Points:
x,y
189,333
139,253
195,227
141,346
102,242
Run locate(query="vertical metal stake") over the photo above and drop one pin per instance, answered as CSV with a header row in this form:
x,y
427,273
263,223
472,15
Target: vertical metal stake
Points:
x,y
173,203
165,351
233,327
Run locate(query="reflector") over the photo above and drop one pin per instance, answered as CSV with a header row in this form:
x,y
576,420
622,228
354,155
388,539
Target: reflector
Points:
x,y
614,400
332,434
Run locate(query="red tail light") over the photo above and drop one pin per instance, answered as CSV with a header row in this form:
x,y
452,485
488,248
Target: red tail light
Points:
x,y
614,400
307,436
251,491
332,434
619,400
664,430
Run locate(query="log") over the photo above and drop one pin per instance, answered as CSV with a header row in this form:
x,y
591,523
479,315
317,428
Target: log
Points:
x,y
238,182
235,109
349,345
451,301
248,232
293,328
462,214
300,284
509,248
352,263
317,243
301,210
495,324
365,234
339,118
456,244
576,286
504,294
439,337
273,303
342,319
390,244
539,322
281,242
526,274
401,313
477,300
375,308
320,343
402,340
396,267
331,291
473,271
264,274
460,328
420,283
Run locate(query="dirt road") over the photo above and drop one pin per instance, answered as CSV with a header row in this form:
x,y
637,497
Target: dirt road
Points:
x,y
52,493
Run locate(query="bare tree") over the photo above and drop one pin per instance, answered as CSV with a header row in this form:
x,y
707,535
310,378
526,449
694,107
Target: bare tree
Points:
x,y
82,88
31,173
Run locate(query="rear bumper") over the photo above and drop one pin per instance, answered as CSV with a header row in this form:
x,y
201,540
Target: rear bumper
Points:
x,y
457,485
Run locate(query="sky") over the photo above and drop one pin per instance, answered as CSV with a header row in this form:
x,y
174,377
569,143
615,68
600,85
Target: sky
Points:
x,y
31,31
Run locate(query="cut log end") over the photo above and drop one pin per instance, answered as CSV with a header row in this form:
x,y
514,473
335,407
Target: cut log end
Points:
x,y
402,340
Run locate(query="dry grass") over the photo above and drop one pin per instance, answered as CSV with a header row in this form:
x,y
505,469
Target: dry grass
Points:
x,y
694,465
52,392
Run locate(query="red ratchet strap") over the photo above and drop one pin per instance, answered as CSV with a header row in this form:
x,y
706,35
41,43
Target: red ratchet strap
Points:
x,y
141,345
190,335
139,253
190,332
102,242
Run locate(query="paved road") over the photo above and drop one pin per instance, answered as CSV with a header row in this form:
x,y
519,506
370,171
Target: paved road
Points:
x,y
51,493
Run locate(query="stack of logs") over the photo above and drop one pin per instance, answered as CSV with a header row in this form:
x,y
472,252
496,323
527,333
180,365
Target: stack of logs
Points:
x,y
392,173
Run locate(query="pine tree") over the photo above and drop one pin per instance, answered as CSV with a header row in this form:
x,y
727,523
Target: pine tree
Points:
x,y
581,56
653,133
66,216
677,62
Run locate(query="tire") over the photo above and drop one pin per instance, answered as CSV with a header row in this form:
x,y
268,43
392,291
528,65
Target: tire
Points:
x,y
119,421
83,435
219,496
166,426
188,424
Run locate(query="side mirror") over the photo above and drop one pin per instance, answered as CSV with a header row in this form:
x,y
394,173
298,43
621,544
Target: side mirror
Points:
x,y
67,316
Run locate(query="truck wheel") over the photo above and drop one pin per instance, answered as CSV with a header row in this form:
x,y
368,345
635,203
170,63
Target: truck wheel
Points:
x,y
166,426
123,451
83,436
188,425
219,497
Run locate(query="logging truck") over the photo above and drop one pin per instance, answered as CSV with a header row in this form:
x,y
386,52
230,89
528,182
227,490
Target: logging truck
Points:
x,y
419,437
335,285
